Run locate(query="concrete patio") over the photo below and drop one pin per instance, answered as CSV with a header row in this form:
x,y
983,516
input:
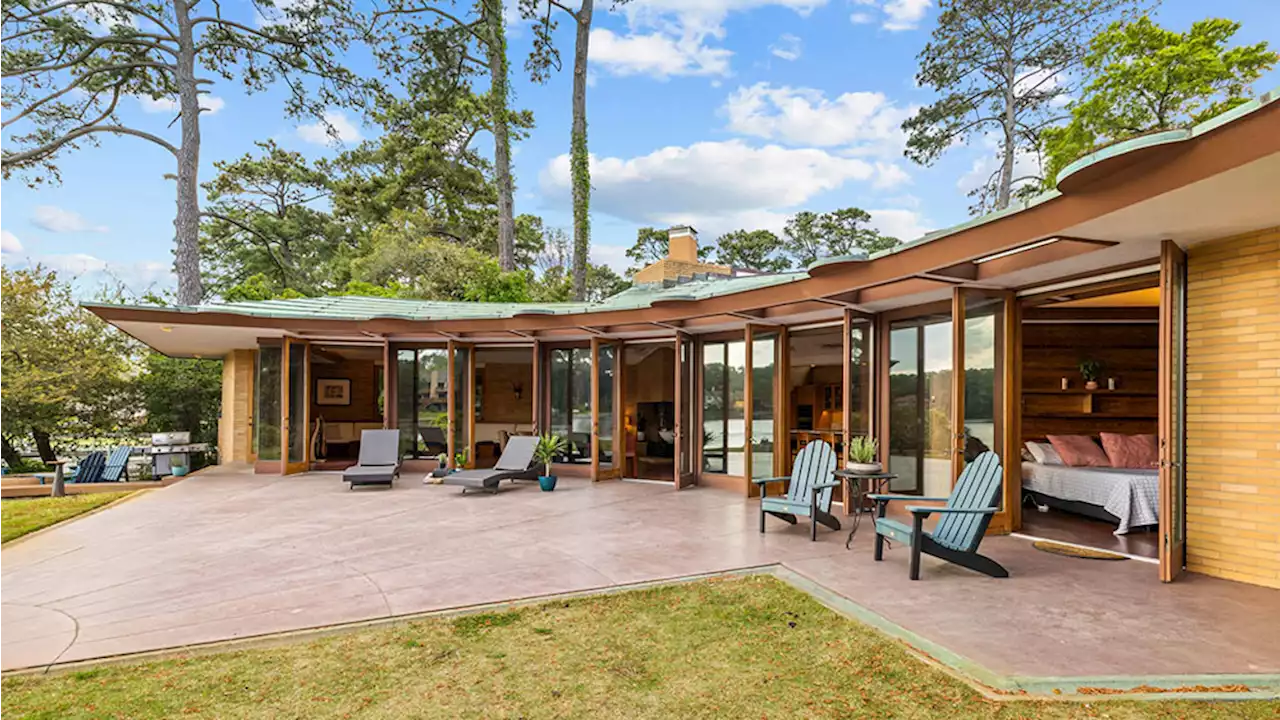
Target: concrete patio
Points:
x,y
229,555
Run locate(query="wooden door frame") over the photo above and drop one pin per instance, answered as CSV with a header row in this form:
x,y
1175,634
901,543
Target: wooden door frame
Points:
x,y
286,415
469,415
681,480
1171,405
616,470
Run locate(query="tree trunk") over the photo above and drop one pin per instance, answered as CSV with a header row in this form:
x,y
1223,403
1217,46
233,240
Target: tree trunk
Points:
x,y
496,47
1008,125
187,222
43,446
11,456
579,158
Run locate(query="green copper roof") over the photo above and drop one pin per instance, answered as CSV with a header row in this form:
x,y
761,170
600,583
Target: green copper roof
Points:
x,y
351,307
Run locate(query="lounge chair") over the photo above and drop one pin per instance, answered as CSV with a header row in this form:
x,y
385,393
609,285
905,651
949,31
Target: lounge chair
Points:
x,y
433,440
88,470
812,478
117,467
515,463
960,529
379,462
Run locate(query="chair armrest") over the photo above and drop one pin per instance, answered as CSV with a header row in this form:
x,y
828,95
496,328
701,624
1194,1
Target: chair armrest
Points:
x,y
824,485
762,481
926,510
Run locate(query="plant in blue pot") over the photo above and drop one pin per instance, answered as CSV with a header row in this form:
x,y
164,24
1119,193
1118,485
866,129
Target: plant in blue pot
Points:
x,y
548,448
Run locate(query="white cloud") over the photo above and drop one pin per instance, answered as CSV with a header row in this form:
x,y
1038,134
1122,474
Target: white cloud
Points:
x,y
788,47
9,243
615,256
657,54
58,220
208,103
90,273
1025,164
898,14
319,132
904,224
716,186
868,122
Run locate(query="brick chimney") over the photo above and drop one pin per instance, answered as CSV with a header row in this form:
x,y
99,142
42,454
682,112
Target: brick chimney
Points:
x,y
681,263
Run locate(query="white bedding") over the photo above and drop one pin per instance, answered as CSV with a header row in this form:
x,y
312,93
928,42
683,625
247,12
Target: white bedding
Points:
x,y
1129,494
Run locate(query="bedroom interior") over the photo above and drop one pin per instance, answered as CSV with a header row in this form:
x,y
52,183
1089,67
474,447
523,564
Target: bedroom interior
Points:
x,y
1089,409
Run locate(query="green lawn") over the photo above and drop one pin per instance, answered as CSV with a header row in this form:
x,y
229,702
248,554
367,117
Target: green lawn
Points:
x,y
20,516
742,648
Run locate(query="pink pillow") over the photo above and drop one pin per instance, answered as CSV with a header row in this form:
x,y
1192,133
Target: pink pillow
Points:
x,y
1079,451
1131,451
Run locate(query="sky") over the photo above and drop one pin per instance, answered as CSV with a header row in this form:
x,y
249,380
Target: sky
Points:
x,y
722,114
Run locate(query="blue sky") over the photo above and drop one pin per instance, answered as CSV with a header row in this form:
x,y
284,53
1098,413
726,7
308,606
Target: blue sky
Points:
x,y
723,114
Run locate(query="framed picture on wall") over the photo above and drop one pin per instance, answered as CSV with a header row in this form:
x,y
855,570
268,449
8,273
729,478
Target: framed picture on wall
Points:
x,y
333,391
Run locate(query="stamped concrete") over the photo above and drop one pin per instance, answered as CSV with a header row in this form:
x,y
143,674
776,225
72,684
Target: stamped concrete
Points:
x,y
228,555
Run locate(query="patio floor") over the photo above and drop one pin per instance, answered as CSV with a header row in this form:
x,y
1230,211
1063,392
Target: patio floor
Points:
x,y
229,554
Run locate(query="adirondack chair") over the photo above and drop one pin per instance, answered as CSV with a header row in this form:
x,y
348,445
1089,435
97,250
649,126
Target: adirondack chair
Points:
x,y
960,529
810,493
90,468
117,467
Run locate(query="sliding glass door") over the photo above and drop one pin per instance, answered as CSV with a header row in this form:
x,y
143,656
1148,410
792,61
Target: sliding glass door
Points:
x,y
296,422
920,370
569,401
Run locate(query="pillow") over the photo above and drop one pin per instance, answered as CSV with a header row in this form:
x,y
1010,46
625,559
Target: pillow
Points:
x,y
1131,451
1079,451
1043,453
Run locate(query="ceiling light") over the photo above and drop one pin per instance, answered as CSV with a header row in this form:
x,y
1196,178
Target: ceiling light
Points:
x,y
1015,251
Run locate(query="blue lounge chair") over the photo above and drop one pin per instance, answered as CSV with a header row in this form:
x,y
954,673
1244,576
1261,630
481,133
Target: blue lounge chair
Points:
x,y
89,470
117,467
812,478
960,529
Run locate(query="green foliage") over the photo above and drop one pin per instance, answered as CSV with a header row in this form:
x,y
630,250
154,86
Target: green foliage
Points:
x,y
181,394
810,236
65,371
754,249
863,449
548,448
1090,370
1144,78
999,68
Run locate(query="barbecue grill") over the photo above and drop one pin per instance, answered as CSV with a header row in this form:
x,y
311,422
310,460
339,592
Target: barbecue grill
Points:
x,y
172,448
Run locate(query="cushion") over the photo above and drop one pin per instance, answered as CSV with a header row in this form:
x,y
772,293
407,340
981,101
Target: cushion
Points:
x,y
1043,453
1079,451
1131,451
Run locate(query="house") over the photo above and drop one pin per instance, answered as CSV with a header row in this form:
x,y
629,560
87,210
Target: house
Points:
x,y
1155,265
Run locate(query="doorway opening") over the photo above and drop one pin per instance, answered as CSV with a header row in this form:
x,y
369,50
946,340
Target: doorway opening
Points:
x,y
649,407
504,400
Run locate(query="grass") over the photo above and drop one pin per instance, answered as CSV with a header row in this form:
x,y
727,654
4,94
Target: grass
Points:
x,y
20,516
743,648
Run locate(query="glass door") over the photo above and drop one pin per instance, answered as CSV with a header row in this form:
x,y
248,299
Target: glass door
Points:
x,y
605,429
685,413
267,436
462,405
296,422
920,398
1172,410
979,410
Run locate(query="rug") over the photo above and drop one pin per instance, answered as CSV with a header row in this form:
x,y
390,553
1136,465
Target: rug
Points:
x,y
1076,552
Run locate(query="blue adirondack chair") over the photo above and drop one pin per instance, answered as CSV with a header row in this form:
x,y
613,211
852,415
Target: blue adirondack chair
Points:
x,y
90,468
810,493
960,529
117,466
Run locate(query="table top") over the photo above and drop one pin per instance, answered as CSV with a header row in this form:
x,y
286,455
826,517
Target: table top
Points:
x,y
845,473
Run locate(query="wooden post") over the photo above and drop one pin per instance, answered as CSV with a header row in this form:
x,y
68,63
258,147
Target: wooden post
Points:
x,y
59,482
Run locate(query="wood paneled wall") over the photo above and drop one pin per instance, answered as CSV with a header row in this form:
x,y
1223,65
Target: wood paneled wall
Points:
x,y
498,401
1051,351
1233,408
363,375
234,441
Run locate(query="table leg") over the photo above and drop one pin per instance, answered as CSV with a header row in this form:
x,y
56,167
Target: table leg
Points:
x,y
847,494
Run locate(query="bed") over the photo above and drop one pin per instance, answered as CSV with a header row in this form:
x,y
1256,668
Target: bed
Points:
x,y
1127,497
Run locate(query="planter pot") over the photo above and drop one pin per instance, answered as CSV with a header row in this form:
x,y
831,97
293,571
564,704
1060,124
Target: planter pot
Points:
x,y
178,470
866,468
547,482
1091,385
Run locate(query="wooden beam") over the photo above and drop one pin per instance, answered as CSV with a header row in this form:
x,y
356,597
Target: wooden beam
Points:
x,y
1061,249
908,286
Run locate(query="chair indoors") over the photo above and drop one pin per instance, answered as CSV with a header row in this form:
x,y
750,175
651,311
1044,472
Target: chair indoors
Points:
x,y
960,529
809,495
379,462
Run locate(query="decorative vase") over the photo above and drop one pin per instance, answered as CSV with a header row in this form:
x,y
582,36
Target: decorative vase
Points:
x,y
870,468
547,482
178,470
1091,385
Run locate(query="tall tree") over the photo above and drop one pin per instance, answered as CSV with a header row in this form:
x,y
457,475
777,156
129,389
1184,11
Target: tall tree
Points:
x,y
809,236
266,216
543,57
1143,78
754,249
408,33
1001,69
69,63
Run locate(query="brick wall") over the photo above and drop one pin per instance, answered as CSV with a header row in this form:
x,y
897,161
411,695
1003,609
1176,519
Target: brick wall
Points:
x,y
1233,408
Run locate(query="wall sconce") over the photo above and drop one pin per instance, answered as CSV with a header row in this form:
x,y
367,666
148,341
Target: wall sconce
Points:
x,y
518,389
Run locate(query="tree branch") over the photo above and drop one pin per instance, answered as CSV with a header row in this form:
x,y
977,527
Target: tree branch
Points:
x,y
84,54
110,3
78,81
49,148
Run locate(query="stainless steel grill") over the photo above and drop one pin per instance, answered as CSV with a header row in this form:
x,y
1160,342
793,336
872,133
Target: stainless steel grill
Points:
x,y
172,448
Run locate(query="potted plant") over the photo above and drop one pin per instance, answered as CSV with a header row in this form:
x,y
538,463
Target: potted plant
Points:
x,y
862,455
459,460
548,448
1090,370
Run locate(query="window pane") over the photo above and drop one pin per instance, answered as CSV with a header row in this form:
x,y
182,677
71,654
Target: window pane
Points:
x,y
715,416
297,403
605,433
406,416
762,413
461,400
736,401
266,427
860,393
905,404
